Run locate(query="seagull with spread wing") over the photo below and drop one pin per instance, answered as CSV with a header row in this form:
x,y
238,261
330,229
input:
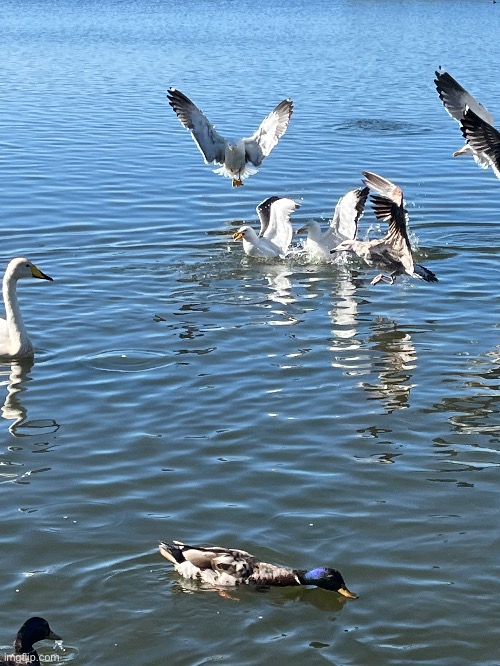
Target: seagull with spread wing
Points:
x,y
476,122
343,225
234,157
393,251
275,232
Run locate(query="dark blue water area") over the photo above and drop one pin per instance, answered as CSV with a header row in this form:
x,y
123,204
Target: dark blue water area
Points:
x,y
181,390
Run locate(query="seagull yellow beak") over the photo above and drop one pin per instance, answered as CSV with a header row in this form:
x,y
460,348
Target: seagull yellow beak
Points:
x,y
238,235
36,272
302,230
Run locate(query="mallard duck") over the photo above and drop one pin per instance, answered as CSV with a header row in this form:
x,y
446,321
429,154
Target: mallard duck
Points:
x,y
33,630
476,122
275,232
234,157
393,251
343,226
14,339
228,567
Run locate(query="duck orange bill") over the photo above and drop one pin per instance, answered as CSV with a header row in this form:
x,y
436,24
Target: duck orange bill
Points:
x,y
347,593
36,272
237,235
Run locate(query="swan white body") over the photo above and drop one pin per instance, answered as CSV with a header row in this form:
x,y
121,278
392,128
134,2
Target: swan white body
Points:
x,y
276,230
343,226
234,157
14,338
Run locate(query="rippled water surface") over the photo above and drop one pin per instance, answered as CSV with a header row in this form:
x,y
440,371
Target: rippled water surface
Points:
x,y
181,390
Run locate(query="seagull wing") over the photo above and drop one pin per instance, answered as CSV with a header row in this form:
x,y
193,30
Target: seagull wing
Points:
x,y
397,240
455,98
211,144
271,129
264,213
348,211
483,138
279,230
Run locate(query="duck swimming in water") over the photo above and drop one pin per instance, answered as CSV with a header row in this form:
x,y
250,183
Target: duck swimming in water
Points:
x,y
33,630
229,567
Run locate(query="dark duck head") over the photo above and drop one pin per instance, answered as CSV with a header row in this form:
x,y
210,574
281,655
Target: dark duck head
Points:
x,y
33,630
328,579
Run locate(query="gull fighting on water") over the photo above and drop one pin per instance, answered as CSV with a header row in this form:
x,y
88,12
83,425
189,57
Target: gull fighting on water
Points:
x,y
233,157
275,232
343,226
393,251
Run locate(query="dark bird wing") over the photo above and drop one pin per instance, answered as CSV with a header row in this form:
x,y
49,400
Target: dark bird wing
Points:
x,y
388,205
210,143
424,273
483,138
455,99
271,129
264,213
348,211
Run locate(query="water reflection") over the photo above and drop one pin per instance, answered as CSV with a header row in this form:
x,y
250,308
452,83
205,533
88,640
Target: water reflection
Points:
x,y
394,363
387,351
17,375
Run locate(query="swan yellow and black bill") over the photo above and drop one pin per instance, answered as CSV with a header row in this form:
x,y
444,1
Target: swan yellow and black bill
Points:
x,y
37,273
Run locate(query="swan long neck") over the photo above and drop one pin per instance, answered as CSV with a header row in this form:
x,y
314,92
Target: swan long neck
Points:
x,y
18,336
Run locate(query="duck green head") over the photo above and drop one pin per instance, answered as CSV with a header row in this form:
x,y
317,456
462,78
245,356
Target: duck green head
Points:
x,y
328,579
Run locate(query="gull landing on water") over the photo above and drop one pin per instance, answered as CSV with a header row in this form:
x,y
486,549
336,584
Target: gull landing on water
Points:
x,y
393,251
276,230
343,226
476,122
233,157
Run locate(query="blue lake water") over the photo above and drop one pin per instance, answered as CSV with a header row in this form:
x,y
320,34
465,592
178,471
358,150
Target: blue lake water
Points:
x,y
181,390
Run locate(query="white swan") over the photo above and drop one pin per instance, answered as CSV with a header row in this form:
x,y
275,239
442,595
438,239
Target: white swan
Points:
x,y
275,229
233,156
343,226
14,339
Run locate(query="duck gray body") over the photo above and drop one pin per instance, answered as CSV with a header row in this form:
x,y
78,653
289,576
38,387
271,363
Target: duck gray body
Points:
x,y
228,567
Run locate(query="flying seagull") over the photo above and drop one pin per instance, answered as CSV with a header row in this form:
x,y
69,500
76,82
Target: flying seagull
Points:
x,y
343,226
459,103
483,139
233,157
393,251
275,232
